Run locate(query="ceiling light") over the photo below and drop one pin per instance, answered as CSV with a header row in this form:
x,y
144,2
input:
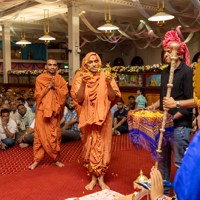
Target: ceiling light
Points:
x,y
160,17
108,26
23,42
46,37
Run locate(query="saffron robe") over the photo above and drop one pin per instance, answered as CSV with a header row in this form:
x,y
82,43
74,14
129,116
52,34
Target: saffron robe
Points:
x,y
95,121
49,112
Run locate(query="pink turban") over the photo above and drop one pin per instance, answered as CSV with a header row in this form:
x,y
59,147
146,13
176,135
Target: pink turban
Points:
x,y
172,36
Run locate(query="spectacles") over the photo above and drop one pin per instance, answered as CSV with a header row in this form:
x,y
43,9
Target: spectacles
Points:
x,y
52,65
90,62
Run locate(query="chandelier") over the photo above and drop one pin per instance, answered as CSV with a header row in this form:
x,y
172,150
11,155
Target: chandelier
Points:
x,y
46,37
23,42
108,26
160,17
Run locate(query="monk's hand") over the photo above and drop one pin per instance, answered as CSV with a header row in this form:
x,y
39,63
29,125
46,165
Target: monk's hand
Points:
x,y
108,78
52,83
168,102
85,77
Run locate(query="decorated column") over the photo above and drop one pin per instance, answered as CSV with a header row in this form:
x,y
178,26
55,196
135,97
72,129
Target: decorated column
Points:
x,y
73,38
6,51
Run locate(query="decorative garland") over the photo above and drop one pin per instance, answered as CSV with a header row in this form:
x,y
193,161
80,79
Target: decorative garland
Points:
x,y
135,69
34,72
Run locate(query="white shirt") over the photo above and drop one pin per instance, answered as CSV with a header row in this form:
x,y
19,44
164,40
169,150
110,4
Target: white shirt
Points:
x,y
12,127
32,124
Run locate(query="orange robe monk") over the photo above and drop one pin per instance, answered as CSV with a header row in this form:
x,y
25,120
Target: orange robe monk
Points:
x,y
50,104
95,120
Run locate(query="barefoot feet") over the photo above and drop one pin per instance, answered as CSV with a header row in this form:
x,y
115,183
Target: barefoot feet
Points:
x,y
92,183
34,165
102,184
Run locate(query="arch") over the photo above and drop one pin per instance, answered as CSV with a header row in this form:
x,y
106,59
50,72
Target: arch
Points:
x,y
137,61
196,56
118,62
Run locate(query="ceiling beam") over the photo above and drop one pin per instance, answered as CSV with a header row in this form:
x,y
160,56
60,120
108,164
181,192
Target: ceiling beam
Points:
x,y
18,8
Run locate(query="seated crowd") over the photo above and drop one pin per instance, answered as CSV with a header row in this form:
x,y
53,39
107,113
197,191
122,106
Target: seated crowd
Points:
x,y
17,118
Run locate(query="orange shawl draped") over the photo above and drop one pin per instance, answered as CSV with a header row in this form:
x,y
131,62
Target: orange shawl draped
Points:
x,y
95,119
49,111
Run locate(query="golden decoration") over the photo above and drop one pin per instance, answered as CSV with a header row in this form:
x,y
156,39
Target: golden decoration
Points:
x,y
196,85
141,177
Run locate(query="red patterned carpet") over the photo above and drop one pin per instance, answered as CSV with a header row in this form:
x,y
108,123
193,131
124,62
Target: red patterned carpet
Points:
x,y
49,182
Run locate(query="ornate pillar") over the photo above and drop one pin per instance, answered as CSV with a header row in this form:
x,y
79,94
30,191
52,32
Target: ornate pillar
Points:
x,y
73,38
6,51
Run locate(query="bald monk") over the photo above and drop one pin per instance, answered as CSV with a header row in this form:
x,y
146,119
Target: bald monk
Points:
x,y
94,92
50,94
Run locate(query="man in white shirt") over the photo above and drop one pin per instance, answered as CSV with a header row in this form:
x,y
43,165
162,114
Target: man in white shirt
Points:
x,y
8,128
25,134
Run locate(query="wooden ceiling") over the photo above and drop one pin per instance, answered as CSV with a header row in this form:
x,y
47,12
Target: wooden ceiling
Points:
x,y
126,14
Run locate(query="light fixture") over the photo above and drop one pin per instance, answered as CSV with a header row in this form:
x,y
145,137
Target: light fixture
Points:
x,y
23,42
46,37
160,17
108,26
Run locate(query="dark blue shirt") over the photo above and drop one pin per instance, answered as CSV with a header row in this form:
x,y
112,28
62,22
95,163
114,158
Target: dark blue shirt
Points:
x,y
121,115
182,89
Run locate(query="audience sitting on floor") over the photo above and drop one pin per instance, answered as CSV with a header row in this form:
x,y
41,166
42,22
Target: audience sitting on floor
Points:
x,y
8,129
113,109
69,129
141,100
131,103
120,119
23,137
13,111
22,100
31,103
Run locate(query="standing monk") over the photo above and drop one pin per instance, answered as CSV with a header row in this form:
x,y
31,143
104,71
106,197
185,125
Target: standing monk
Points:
x,y
50,94
94,93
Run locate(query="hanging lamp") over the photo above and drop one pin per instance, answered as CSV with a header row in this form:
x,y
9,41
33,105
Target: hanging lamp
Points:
x,y
46,37
108,26
160,17
23,42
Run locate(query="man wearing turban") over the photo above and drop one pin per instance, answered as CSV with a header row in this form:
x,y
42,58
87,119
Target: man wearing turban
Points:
x,y
182,89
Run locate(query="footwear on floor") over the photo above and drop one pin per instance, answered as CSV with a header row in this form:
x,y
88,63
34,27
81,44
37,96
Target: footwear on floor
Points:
x,y
23,145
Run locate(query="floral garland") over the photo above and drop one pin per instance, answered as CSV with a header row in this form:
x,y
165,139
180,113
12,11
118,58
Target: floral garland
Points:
x,y
34,72
136,69
107,67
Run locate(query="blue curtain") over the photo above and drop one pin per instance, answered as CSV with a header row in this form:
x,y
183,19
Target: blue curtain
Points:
x,y
34,52
31,51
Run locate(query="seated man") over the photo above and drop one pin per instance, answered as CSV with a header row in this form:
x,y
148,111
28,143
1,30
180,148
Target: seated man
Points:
x,y
131,103
25,135
120,119
14,112
31,103
70,130
8,128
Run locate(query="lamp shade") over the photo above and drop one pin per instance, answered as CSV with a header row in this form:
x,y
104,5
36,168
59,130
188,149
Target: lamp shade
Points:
x,y
47,37
108,27
23,41
161,16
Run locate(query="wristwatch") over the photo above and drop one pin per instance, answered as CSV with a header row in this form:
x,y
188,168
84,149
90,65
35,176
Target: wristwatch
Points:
x,y
178,104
